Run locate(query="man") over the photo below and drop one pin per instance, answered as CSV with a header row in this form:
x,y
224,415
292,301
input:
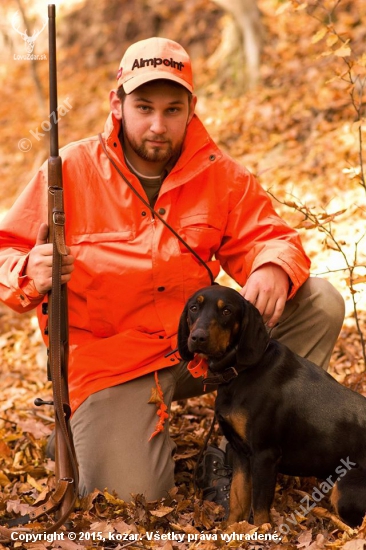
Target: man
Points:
x,y
129,275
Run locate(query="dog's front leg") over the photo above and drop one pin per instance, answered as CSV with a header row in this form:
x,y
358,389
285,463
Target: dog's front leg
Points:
x,y
240,490
264,474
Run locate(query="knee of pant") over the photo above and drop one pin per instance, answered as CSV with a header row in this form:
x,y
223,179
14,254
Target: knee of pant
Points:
x,y
328,302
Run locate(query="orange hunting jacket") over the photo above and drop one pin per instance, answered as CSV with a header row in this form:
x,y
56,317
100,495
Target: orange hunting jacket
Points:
x,y
132,276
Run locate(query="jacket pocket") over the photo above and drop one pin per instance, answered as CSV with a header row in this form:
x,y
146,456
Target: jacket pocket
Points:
x,y
202,234
112,236
100,261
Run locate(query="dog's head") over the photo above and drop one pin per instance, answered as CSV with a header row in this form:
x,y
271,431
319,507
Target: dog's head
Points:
x,y
215,320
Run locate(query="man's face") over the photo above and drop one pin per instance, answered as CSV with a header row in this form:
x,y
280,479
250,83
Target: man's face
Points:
x,y
155,117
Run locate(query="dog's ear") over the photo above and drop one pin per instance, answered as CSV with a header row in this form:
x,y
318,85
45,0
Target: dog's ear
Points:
x,y
253,338
183,334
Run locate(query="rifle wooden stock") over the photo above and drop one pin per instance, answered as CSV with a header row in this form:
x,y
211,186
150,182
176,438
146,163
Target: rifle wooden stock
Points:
x,y
66,466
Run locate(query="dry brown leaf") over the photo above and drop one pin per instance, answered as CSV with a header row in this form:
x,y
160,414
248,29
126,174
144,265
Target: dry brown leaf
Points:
x,y
305,539
4,480
188,528
243,527
18,507
323,513
357,544
155,398
67,544
161,512
37,429
4,449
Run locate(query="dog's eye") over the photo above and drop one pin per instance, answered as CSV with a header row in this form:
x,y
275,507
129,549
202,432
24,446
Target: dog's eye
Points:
x,y
226,311
193,308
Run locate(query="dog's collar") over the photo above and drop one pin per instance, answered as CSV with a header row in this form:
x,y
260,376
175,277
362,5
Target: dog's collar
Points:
x,y
221,371
224,377
217,366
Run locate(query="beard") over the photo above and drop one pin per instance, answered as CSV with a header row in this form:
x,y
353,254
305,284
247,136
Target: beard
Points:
x,y
147,152
152,154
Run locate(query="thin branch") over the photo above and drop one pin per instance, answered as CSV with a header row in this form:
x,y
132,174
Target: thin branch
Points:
x,y
326,227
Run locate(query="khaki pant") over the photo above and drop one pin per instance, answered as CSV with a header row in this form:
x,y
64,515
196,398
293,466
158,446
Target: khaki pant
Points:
x,y
112,427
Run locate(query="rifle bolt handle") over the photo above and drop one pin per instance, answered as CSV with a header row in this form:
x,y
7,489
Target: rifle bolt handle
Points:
x,y
39,402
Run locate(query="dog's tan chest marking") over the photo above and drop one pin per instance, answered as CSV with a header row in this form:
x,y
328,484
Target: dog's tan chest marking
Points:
x,y
239,422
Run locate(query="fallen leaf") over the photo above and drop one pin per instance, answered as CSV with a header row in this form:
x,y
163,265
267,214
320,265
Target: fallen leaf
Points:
x,y
358,544
37,429
161,512
155,398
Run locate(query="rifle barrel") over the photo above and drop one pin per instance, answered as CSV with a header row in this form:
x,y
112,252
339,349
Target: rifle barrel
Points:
x,y
66,466
52,79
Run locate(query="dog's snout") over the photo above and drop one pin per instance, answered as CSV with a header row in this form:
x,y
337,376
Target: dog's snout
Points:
x,y
199,336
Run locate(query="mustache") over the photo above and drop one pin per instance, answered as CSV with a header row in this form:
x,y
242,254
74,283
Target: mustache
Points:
x,y
157,139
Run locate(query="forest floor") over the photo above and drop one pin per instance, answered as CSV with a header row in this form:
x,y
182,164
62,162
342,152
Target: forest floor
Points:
x,y
300,133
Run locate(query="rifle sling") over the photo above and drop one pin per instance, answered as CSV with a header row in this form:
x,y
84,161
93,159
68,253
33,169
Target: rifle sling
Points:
x,y
156,214
57,331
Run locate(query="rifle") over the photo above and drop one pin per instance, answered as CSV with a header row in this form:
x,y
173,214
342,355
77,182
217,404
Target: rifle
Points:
x,y
67,478
66,464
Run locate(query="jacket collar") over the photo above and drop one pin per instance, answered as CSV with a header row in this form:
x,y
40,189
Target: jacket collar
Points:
x,y
198,151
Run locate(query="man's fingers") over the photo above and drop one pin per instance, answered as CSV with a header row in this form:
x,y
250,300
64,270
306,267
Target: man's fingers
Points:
x,y
276,314
39,266
65,278
267,289
42,234
67,269
269,304
250,293
68,260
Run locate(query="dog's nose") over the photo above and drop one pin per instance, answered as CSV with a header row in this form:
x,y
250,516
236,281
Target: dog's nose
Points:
x,y
199,336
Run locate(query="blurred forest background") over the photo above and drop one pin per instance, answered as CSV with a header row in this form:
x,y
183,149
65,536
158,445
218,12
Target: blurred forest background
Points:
x,y
281,87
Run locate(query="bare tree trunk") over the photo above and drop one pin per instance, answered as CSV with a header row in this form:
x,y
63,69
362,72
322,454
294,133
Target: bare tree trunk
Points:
x,y
242,40
39,89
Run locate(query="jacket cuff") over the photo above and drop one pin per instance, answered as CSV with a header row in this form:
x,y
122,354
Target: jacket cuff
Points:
x,y
26,291
296,279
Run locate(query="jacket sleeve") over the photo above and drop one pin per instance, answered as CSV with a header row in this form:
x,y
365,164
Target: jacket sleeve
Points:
x,y
18,232
255,235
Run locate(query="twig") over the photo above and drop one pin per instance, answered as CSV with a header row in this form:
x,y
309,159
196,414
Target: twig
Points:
x,y
325,226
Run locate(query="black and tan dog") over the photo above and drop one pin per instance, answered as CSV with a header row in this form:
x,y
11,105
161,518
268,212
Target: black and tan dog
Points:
x,y
280,412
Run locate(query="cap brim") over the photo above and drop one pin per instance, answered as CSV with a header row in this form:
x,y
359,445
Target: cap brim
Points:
x,y
136,81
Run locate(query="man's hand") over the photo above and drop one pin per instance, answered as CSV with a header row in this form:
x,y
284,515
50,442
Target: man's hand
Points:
x,y
267,289
39,266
